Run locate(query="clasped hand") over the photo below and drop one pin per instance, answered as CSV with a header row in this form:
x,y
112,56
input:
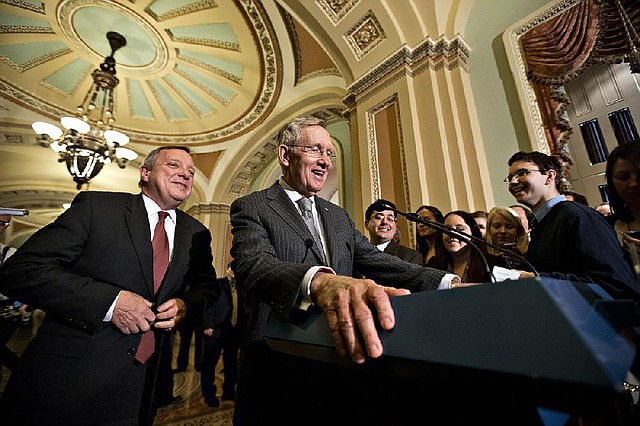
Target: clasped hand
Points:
x,y
133,313
346,303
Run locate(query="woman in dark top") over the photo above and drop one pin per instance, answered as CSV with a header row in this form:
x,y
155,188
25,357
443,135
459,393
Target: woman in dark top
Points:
x,y
458,256
623,188
428,239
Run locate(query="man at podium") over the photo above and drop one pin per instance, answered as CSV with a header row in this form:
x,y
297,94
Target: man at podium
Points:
x,y
292,250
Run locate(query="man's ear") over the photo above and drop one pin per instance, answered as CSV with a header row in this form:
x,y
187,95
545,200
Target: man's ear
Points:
x,y
283,155
552,176
144,174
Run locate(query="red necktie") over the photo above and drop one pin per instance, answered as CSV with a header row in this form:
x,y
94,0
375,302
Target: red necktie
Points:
x,y
160,246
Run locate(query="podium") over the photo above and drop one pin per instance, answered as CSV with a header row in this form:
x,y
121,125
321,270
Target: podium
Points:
x,y
546,339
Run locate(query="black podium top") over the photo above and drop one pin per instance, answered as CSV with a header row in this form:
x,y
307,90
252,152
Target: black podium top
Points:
x,y
543,337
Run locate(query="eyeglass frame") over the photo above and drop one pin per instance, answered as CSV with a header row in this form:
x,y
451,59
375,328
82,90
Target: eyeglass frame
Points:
x,y
5,223
519,174
315,152
382,216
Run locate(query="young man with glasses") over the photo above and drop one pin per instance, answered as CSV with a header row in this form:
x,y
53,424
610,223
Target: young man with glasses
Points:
x,y
570,240
382,225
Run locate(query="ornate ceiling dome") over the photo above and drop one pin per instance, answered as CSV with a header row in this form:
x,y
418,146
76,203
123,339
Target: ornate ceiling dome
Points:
x,y
194,72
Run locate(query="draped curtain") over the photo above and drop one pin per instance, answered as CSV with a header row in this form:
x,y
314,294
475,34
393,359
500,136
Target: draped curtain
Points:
x,y
560,49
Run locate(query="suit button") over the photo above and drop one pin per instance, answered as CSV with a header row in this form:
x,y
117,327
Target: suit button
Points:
x,y
132,351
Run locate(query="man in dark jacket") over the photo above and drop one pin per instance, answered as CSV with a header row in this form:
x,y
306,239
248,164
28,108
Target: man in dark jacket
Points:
x,y
569,240
382,225
110,298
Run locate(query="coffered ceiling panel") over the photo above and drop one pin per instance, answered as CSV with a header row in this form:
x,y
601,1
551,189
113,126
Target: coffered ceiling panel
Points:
x,y
191,72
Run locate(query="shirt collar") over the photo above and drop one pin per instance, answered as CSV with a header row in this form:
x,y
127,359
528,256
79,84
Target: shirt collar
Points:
x,y
546,207
153,208
383,246
293,194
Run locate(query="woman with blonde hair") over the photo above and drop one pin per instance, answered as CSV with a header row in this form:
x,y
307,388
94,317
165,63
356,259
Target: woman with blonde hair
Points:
x,y
505,230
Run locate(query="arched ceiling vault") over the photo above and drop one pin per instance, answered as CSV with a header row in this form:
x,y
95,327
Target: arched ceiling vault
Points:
x,y
217,75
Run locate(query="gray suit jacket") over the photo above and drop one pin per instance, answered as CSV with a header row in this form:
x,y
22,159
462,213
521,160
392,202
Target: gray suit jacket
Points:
x,y
272,251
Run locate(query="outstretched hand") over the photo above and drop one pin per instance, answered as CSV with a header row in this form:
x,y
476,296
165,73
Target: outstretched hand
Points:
x,y
347,304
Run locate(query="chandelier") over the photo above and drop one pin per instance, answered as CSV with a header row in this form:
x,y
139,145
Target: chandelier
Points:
x,y
89,141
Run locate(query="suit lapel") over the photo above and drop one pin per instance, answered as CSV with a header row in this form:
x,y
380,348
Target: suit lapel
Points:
x,y
326,219
138,225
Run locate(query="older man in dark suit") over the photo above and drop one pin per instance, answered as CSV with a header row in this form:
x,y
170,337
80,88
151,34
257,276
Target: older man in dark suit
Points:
x,y
109,297
382,226
288,256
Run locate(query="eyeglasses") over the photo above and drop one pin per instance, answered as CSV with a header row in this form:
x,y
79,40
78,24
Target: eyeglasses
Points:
x,y
378,217
315,152
519,174
4,223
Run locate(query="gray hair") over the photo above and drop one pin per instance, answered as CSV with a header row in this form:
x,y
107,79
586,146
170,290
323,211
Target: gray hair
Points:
x,y
150,159
290,132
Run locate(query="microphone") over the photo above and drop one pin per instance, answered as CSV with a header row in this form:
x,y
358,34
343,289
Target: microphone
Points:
x,y
308,243
452,232
6,211
465,237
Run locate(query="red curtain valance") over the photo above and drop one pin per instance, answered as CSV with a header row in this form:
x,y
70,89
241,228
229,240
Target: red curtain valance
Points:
x,y
591,32
558,50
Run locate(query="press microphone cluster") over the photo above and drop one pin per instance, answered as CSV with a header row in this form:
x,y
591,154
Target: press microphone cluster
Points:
x,y
5,211
468,238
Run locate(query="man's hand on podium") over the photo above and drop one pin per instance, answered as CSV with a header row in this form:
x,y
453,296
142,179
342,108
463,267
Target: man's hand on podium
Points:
x,y
347,304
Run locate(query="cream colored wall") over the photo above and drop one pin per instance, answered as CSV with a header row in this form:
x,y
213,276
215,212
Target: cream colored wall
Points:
x,y
215,216
500,116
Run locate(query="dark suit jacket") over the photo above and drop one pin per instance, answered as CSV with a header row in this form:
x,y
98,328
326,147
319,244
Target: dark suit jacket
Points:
x,y
272,250
404,253
79,368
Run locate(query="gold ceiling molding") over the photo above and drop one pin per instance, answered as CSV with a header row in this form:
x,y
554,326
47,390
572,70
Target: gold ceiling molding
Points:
x,y
35,62
19,29
24,98
365,35
25,5
204,87
65,13
185,10
195,107
13,138
36,199
201,64
271,66
335,10
206,42
443,52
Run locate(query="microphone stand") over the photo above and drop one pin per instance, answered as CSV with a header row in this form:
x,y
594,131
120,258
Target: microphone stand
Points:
x,y
413,217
